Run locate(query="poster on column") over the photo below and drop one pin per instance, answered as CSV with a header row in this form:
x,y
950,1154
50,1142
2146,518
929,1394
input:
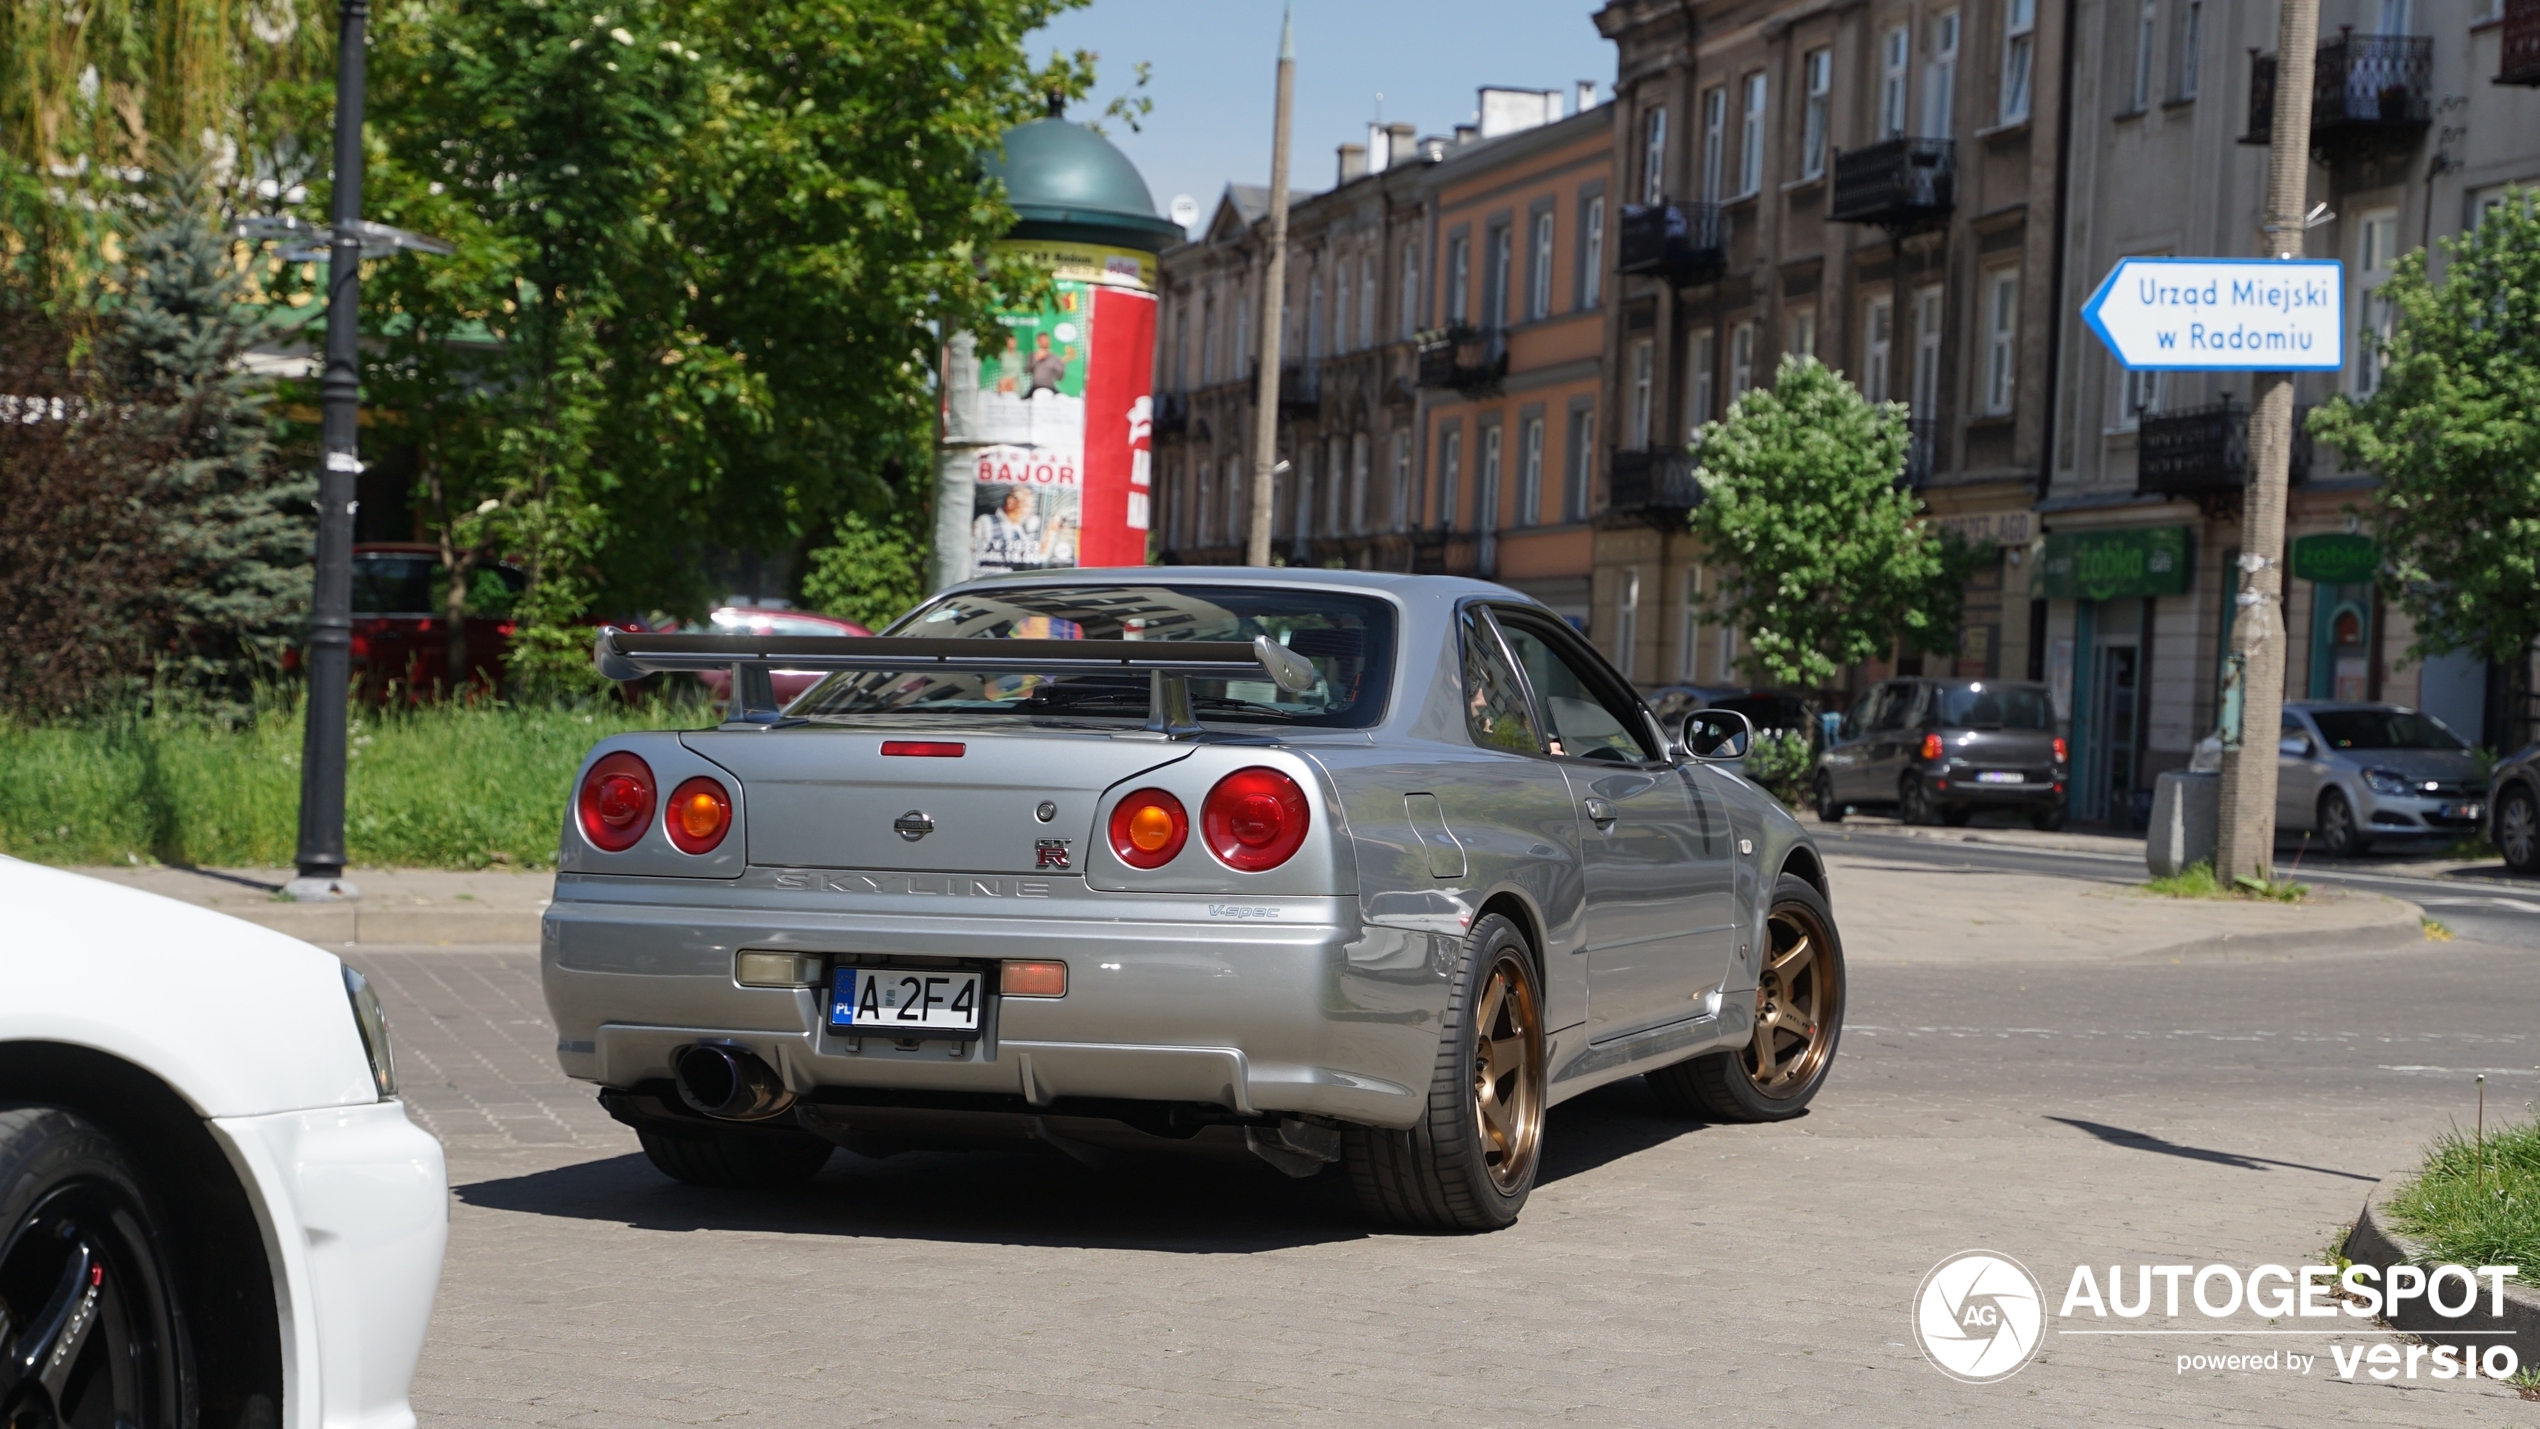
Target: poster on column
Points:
x,y
1062,417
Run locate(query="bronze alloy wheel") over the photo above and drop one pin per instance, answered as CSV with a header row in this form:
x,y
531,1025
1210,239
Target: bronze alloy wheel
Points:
x,y
1795,1001
1508,1070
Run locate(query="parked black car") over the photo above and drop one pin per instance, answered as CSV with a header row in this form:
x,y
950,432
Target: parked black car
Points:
x,y
1938,750
2513,811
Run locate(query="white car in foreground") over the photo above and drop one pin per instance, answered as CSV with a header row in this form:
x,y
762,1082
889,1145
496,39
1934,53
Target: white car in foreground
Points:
x,y
213,1209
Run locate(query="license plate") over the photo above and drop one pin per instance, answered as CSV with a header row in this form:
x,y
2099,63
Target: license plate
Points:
x,y
2463,811
903,1002
1999,776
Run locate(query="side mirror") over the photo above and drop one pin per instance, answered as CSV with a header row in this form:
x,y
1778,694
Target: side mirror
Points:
x,y
2294,746
1717,736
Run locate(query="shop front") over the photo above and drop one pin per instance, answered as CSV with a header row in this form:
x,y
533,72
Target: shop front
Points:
x,y
2120,600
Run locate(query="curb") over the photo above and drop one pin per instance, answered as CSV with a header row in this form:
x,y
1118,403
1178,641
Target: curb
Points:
x,y
356,923
2405,923
2374,1241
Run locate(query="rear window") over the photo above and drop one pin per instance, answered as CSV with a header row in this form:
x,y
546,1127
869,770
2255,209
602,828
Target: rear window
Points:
x,y
1991,706
2382,729
1349,639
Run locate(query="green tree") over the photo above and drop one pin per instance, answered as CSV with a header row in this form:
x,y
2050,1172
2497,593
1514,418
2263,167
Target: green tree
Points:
x,y
234,522
2453,431
1834,565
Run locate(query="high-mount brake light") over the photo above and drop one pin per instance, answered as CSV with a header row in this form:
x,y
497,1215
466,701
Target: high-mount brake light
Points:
x,y
700,815
1933,749
923,748
1254,820
1148,829
616,802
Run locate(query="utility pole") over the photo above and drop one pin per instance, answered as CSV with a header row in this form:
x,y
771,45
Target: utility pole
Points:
x,y
330,666
1274,288
2245,836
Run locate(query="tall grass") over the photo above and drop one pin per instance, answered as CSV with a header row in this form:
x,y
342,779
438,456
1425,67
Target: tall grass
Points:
x,y
445,786
2477,1203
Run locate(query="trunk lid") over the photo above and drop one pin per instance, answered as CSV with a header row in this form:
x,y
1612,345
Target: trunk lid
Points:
x,y
829,798
2032,749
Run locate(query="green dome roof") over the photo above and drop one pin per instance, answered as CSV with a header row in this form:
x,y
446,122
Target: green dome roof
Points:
x,y
1066,181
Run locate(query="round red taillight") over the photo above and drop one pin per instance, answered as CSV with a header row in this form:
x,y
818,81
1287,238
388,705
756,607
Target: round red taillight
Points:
x,y
1933,749
700,815
1254,819
1148,829
616,802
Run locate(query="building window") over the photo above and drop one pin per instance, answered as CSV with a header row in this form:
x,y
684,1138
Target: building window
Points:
x,y
1940,77
1927,315
1335,483
1459,280
1878,339
2147,23
1592,270
1530,472
1627,622
1803,332
1450,474
1539,270
2376,248
1202,484
2019,57
1410,290
1818,70
2191,39
1208,340
1313,314
1486,505
1895,53
1367,298
1243,335
1495,277
1580,469
1715,131
1402,480
1340,306
1361,458
1643,369
1699,387
2002,342
1750,154
1689,627
1236,515
1653,155
2141,396
1741,360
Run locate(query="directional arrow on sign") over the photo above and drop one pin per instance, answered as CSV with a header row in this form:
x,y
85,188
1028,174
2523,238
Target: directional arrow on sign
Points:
x,y
2222,314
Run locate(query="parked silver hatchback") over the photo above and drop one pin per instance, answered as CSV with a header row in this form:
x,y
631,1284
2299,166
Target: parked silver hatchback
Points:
x,y
2349,774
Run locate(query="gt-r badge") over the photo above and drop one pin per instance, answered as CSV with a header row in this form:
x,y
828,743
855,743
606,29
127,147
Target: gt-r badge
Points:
x,y
1051,853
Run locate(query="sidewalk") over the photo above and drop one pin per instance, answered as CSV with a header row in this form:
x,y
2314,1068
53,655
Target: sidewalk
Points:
x,y
416,906
2417,863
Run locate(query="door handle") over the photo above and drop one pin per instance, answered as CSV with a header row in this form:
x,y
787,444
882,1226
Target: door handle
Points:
x,y
1600,813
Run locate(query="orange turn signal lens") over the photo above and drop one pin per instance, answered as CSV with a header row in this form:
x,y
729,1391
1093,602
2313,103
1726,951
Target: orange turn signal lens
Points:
x,y
1148,828
700,815
1032,980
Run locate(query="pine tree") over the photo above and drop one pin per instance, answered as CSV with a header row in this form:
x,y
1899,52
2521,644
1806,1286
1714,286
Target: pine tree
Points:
x,y
236,526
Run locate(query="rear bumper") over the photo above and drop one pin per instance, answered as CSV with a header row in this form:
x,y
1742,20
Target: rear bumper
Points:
x,y
1958,789
1282,1005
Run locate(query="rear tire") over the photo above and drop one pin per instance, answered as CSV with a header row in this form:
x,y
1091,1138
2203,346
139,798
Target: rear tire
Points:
x,y
69,1192
1470,1162
764,1159
1828,810
2518,830
2340,837
1913,801
1799,1000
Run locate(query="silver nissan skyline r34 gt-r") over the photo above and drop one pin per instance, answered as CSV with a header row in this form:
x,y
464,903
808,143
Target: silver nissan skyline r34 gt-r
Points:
x,y
1330,866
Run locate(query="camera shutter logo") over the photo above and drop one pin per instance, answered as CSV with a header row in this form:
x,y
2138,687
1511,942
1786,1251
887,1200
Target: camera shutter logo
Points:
x,y
1979,1316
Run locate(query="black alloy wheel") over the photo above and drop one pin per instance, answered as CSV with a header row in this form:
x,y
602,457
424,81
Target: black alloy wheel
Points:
x,y
2340,836
1913,802
2518,830
90,1334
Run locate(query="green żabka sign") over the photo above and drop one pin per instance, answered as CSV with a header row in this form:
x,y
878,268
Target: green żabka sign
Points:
x,y
2335,559
2116,565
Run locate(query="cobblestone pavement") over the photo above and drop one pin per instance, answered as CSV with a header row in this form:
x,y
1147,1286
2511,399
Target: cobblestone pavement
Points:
x,y
1665,1273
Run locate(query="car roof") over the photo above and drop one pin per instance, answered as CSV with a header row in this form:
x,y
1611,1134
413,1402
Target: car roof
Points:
x,y
1400,585
2328,706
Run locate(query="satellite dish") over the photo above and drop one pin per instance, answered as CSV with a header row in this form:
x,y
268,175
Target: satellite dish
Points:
x,y
1184,210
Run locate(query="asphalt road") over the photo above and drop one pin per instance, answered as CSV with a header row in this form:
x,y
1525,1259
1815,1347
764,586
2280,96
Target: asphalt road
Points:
x,y
2483,903
2231,1110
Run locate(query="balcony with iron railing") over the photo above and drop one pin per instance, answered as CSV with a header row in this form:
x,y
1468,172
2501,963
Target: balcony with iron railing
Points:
x,y
1463,358
1655,483
2368,94
2203,452
1681,242
1899,184
2520,31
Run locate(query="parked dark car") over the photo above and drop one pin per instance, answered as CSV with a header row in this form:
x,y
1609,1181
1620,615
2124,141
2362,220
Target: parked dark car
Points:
x,y
763,620
1936,751
401,634
2513,811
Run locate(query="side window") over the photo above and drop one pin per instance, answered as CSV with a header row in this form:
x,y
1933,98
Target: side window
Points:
x,y
1588,720
1894,701
1864,714
1495,708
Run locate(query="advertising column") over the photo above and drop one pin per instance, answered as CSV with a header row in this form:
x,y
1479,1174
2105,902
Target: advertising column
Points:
x,y
1056,423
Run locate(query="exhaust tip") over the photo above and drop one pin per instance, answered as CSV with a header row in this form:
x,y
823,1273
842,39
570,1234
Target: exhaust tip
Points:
x,y
730,1084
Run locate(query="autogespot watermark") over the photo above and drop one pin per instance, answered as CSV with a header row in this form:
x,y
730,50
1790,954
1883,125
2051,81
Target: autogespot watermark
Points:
x,y
1980,1316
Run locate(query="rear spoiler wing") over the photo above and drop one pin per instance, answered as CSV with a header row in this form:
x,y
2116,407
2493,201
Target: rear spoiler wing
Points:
x,y
1168,664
